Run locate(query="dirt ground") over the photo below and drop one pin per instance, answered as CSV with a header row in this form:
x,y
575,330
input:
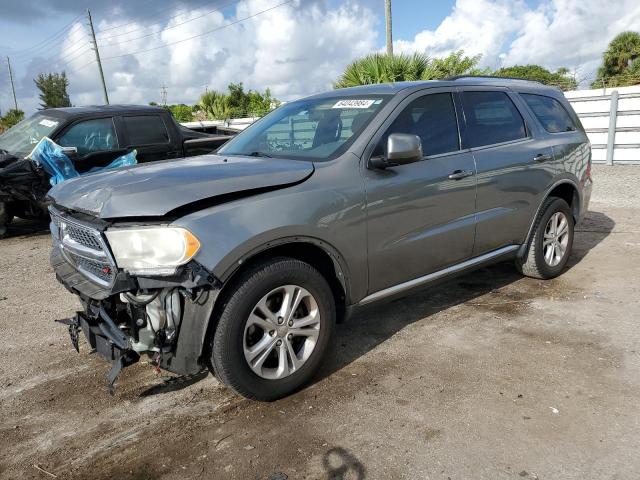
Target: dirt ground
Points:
x,y
490,376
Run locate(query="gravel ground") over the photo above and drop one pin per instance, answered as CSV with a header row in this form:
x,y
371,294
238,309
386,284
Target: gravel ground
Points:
x,y
490,376
617,186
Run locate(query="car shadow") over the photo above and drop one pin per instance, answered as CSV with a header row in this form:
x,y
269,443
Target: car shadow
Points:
x,y
174,383
26,228
595,227
372,325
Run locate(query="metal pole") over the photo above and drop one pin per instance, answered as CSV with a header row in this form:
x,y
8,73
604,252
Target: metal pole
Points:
x,y
13,88
387,11
95,48
611,136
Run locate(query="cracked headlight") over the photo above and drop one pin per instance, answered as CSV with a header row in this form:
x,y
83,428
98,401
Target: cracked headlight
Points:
x,y
152,250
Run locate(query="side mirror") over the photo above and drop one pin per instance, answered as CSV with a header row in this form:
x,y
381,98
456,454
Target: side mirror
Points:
x,y
402,148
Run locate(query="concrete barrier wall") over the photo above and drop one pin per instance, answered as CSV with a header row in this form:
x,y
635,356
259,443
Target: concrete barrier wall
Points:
x,y
611,118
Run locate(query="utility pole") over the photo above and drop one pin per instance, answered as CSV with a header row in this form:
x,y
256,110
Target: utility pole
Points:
x,y
95,49
387,11
163,95
13,88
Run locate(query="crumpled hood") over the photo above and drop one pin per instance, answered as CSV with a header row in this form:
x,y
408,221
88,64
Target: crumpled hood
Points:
x,y
155,189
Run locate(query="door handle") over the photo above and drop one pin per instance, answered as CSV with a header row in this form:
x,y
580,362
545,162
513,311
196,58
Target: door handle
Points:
x,y
542,157
460,174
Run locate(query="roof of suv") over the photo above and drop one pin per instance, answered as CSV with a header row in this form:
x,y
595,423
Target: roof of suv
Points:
x,y
70,112
393,88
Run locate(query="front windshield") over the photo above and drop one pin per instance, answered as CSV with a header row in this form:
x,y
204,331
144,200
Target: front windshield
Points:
x,y
314,129
20,139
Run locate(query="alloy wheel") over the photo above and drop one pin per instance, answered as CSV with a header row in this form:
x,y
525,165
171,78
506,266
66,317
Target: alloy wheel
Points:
x,y
281,332
556,239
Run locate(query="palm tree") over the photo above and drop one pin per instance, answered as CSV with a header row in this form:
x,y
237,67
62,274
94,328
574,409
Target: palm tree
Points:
x,y
621,61
382,68
215,105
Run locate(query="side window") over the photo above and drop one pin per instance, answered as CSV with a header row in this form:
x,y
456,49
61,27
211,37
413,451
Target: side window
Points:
x,y
91,136
552,115
146,130
433,119
491,118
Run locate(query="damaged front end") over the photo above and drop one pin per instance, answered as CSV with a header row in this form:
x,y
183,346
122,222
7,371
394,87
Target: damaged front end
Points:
x,y
126,315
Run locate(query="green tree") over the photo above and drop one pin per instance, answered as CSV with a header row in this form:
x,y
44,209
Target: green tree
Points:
x,y
237,103
12,117
620,62
215,105
53,88
560,78
181,112
382,68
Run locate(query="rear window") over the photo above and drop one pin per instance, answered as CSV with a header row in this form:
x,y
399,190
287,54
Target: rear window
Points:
x,y
146,130
552,115
491,118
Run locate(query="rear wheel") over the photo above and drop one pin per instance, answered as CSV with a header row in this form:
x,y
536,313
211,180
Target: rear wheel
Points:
x,y
550,246
273,330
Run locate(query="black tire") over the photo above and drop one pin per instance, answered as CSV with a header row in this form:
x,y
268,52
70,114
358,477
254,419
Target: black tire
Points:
x,y
533,264
227,355
5,218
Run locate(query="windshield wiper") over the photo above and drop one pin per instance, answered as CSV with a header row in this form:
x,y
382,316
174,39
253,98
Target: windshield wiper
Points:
x,y
260,154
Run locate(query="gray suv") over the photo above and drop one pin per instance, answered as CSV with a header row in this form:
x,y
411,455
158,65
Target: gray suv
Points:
x,y
242,262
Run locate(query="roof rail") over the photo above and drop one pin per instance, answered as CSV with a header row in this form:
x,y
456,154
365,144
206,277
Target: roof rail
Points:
x,y
459,77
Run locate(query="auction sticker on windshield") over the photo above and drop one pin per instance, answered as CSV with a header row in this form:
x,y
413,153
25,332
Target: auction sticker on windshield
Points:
x,y
355,103
48,123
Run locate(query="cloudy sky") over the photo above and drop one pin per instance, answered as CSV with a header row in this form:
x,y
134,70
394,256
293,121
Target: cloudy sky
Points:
x,y
293,47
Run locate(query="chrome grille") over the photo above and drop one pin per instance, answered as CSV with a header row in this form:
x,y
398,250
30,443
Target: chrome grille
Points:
x,y
83,236
83,247
101,270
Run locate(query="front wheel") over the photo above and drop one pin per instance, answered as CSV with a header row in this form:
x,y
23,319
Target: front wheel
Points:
x,y
5,218
550,246
274,329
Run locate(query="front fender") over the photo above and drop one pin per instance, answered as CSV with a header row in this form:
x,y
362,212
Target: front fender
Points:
x,y
326,210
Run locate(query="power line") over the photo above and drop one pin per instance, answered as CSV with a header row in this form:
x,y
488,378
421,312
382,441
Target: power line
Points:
x,y
48,40
201,34
163,20
164,29
135,21
47,52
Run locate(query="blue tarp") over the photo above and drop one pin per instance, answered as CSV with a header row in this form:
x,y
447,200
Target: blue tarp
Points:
x,y
52,159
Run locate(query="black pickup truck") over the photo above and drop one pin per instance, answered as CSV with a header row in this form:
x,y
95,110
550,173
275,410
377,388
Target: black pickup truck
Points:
x,y
91,137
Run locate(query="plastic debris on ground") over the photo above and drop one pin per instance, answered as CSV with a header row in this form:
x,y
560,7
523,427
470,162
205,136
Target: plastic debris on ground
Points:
x,y
51,157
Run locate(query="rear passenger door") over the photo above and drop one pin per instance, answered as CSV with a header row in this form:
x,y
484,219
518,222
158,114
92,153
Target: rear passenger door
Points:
x,y
420,216
513,165
150,136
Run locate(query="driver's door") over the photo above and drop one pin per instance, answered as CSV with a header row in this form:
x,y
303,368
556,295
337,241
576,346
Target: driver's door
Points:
x,y
96,143
420,216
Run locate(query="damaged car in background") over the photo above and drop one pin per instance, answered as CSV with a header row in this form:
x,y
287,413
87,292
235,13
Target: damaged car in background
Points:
x,y
241,262
87,139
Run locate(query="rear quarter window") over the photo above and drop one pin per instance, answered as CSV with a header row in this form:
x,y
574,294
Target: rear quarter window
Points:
x,y
145,130
550,112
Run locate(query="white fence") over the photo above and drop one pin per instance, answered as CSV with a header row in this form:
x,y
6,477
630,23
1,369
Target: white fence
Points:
x,y
234,123
611,118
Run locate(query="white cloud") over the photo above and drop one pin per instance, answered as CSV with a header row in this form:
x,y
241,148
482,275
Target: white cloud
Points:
x,y
476,26
570,33
295,50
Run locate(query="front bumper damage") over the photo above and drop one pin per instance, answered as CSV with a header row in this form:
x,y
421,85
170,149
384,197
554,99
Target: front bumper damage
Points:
x,y
125,316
